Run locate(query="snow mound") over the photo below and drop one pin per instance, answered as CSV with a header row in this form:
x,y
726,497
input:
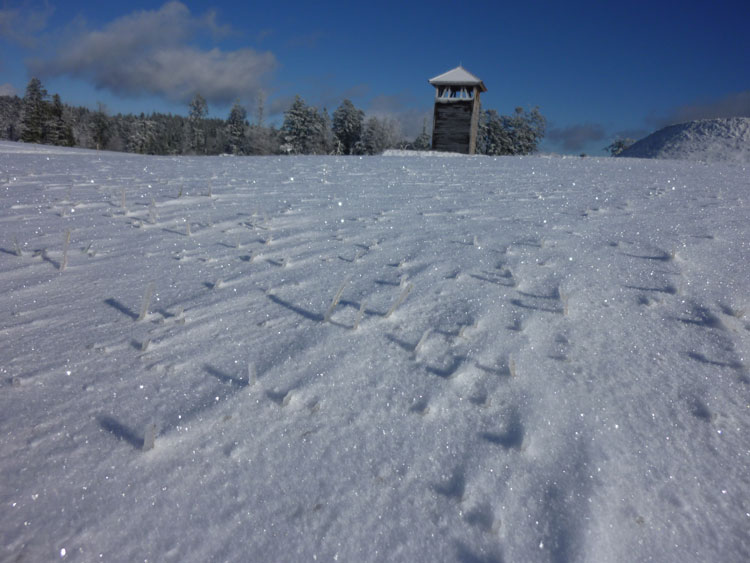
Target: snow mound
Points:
x,y
713,140
403,152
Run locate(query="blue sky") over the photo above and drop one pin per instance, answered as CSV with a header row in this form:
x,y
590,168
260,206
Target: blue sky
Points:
x,y
595,69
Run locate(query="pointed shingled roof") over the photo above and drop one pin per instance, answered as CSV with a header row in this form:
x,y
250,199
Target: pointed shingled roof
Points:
x,y
460,77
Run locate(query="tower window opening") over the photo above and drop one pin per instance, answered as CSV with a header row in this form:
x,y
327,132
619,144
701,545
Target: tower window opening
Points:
x,y
455,93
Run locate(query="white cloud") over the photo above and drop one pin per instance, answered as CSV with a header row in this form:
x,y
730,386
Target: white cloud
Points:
x,y
153,52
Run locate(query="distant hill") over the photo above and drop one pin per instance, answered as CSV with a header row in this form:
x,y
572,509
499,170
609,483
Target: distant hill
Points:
x,y
711,140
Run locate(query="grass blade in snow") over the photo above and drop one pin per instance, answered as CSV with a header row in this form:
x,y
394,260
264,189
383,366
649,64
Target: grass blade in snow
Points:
x,y
146,301
401,299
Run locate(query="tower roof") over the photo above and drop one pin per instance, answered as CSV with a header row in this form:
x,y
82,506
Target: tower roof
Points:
x,y
460,77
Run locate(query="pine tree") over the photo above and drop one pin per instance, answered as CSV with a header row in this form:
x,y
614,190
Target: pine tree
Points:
x,y
293,130
305,130
198,113
347,126
102,127
141,137
377,136
60,131
11,108
35,113
236,129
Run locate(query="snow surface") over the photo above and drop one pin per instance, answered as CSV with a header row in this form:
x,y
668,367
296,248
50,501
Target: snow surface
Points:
x,y
711,140
566,378
430,153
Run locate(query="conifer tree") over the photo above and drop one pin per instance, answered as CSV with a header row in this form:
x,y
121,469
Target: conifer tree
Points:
x,y
347,126
198,113
377,136
35,113
60,131
102,128
236,129
304,130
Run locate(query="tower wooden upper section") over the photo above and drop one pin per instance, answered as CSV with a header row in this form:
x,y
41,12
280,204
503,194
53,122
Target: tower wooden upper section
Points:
x,y
456,115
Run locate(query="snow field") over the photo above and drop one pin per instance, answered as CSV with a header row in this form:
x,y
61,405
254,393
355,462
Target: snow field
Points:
x,y
562,375
711,140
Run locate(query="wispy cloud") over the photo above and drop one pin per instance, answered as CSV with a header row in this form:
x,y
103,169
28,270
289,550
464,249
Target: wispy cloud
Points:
x,y
23,23
154,52
736,104
576,137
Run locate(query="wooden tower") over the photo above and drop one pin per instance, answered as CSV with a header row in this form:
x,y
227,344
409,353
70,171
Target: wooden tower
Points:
x,y
456,116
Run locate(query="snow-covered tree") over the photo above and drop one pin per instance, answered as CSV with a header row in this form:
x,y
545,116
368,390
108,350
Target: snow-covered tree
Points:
x,y
294,129
60,131
527,130
236,129
197,116
377,136
305,130
198,108
515,134
35,113
347,126
11,109
423,142
327,141
493,138
142,136
102,127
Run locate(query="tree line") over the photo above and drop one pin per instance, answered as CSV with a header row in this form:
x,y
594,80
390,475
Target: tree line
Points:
x,y
37,118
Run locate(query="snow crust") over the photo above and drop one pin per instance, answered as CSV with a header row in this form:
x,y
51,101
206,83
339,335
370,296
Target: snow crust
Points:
x,y
198,361
711,140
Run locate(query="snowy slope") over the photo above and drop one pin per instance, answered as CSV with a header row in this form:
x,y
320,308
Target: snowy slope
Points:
x,y
530,359
710,140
